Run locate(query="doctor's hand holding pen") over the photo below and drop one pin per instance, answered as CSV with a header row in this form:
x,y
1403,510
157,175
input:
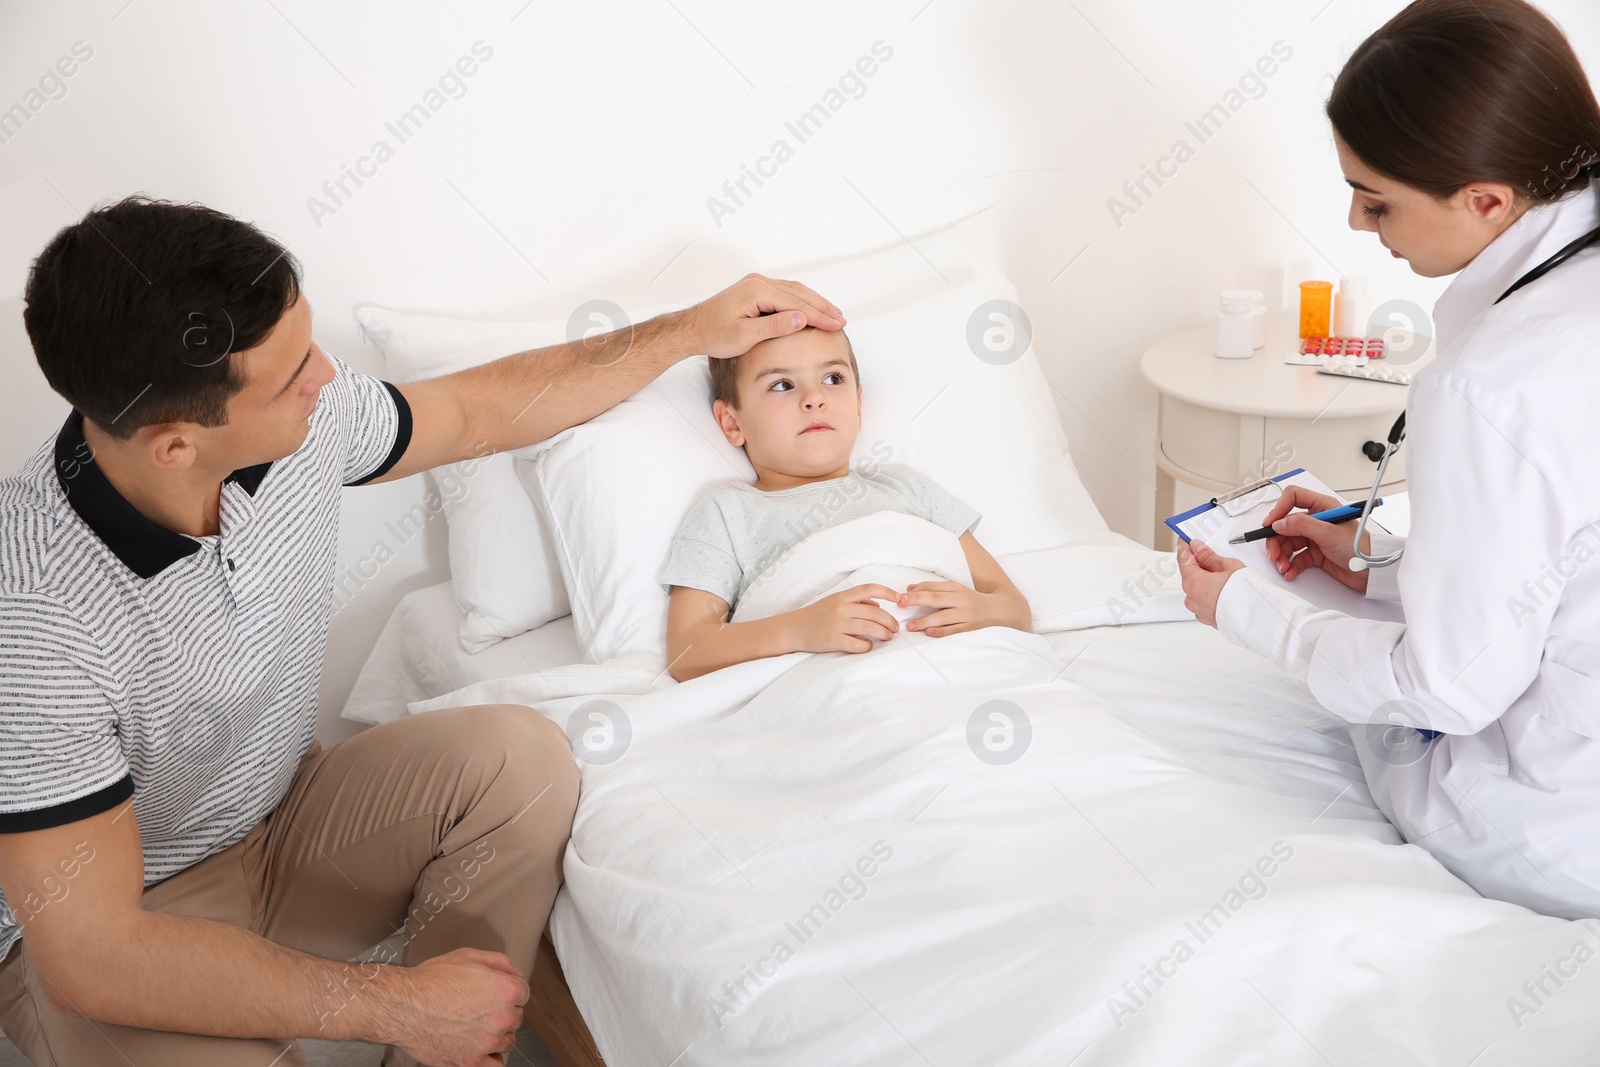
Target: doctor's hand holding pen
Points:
x,y
1327,545
1302,542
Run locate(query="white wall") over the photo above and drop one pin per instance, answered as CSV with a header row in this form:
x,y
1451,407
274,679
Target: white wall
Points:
x,y
579,160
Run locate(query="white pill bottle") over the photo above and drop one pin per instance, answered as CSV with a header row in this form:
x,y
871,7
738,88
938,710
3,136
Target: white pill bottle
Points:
x,y
1352,307
1235,334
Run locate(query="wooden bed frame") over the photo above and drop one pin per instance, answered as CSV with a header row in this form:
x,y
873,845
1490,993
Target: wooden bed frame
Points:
x,y
554,1014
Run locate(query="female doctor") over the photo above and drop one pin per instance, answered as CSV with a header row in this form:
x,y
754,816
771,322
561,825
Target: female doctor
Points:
x,y
1469,134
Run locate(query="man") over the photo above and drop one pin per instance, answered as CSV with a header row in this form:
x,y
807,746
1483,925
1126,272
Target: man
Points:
x,y
182,865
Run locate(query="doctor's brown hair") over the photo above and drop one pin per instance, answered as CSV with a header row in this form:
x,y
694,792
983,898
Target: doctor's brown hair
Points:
x,y
1450,92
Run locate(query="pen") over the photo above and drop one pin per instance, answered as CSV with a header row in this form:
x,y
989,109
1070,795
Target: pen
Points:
x,y
1342,513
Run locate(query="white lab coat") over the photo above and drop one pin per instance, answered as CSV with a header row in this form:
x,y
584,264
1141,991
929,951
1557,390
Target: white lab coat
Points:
x,y
1500,587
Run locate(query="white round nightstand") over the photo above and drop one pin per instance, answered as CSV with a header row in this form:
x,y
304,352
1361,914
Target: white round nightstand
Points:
x,y
1223,422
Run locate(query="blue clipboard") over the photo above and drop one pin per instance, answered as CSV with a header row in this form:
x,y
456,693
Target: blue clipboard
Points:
x,y
1172,523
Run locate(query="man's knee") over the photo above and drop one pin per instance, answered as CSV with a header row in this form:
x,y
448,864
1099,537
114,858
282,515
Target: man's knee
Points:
x,y
519,728
534,751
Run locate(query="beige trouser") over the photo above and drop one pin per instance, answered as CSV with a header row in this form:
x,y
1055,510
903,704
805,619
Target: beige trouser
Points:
x,y
446,827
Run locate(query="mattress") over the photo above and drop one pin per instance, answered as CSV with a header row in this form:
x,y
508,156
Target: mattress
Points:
x,y
808,860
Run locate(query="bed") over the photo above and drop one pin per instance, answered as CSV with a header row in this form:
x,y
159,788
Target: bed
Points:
x,y
1193,872
1117,839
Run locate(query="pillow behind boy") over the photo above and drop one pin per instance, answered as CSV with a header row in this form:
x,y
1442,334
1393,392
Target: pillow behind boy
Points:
x,y
614,489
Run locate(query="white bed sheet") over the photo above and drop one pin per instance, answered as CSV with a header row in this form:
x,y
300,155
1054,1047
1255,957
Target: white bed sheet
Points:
x,y
419,655
1024,907
1041,912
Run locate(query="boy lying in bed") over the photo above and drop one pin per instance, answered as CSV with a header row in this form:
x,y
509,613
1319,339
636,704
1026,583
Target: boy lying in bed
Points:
x,y
794,404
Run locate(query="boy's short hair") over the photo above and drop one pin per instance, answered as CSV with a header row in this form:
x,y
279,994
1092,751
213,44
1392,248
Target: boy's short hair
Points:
x,y
725,372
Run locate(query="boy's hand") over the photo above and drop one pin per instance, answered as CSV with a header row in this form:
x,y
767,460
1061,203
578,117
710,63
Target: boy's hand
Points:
x,y
844,621
755,309
957,608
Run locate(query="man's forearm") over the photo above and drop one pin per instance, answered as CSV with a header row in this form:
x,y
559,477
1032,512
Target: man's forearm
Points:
x,y
531,396
198,976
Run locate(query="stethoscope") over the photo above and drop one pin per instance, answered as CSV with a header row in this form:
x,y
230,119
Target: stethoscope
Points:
x,y
1397,433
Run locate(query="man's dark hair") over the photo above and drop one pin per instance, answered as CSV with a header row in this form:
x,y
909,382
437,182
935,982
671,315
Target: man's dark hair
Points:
x,y
135,311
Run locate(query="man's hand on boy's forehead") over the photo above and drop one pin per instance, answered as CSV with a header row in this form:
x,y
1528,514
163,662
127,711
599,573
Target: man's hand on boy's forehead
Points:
x,y
756,309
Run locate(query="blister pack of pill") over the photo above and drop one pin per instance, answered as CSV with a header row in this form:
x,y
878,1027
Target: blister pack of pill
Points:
x,y
1371,372
1371,347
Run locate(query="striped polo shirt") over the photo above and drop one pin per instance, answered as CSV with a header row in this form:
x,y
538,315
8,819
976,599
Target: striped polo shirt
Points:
x,y
181,671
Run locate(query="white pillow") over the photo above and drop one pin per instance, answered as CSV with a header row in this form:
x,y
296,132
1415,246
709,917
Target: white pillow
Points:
x,y
614,489
502,560
882,279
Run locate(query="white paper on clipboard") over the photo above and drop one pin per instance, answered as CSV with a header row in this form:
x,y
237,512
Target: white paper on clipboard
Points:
x,y
1214,526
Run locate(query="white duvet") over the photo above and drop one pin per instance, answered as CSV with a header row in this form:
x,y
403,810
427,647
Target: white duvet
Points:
x,y
1106,846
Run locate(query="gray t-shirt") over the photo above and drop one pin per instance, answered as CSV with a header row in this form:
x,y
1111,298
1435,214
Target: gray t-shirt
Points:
x,y
735,532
